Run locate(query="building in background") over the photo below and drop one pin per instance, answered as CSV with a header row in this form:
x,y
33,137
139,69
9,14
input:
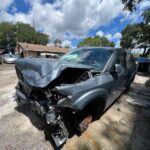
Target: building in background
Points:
x,y
34,50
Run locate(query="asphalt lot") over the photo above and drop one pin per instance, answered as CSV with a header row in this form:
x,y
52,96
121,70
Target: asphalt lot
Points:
x,y
125,125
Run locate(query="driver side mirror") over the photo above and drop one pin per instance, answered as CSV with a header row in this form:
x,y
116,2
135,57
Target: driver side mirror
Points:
x,y
117,68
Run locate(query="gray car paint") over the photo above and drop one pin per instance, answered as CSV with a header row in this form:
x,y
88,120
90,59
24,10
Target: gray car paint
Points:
x,y
108,85
39,72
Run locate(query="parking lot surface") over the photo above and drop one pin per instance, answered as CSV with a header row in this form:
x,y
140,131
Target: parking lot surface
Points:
x,y
125,125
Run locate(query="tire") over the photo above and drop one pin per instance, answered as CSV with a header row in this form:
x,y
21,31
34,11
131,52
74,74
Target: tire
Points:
x,y
90,113
97,109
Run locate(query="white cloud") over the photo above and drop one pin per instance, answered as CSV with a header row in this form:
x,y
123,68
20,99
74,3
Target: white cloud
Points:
x,y
144,4
109,36
117,35
4,4
66,43
117,44
32,2
134,16
100,33
72,16
75,17
67,16
17,17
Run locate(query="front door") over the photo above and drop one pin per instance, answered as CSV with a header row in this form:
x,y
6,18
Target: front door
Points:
x,y
119,79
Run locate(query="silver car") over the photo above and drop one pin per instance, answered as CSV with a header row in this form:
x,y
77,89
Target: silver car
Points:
x,y
9,58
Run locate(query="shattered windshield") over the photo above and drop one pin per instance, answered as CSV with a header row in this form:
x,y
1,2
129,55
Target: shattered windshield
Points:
x,y
95,58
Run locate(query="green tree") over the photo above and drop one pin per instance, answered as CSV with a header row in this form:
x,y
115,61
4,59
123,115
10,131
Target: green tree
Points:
x,y
138,35
7,36
96,41
11,34
26,33
129,35
57,43
130,4
146,16
67,46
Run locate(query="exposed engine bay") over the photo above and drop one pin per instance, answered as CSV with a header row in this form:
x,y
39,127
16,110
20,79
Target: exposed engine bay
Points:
x,y
46,101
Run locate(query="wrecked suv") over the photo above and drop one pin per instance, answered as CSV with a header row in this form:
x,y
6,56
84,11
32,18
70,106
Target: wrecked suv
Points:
x,y
74,91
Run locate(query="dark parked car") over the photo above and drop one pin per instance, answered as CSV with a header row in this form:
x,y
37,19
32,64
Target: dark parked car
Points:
x,y
143,65
74,91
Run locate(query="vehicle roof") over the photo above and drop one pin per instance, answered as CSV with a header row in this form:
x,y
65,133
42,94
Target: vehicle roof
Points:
x,y
105,48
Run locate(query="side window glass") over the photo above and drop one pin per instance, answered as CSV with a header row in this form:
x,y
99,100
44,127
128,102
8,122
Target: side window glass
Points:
x,y
130,61
121,58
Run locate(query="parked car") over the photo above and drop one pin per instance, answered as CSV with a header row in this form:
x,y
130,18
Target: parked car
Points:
x,y
143,65
9,58
76,89
0,59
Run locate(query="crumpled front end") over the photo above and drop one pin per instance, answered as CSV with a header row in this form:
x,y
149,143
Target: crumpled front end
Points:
x,y
54,89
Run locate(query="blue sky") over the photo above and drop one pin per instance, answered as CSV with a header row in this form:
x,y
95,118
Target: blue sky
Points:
x,y
73,20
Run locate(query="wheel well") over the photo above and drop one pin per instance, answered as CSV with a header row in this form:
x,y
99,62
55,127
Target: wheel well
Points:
x,y
96,107
96,102
88,114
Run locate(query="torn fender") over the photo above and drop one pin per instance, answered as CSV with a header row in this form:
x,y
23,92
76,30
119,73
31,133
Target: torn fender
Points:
x,y
79,101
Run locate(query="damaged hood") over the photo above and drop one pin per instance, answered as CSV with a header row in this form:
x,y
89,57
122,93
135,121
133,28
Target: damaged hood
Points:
x,y
39,72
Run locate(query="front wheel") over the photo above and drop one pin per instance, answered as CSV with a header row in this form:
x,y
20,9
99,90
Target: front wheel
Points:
x,y
90,113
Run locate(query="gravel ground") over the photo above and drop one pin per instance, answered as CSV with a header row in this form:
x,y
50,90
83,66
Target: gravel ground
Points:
x,y
125,125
